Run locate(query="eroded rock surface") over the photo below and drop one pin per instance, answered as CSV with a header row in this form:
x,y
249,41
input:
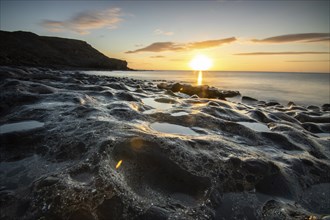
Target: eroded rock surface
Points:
x,y
252,160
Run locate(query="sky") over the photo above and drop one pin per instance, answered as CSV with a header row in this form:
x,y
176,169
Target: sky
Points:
x,y
241,35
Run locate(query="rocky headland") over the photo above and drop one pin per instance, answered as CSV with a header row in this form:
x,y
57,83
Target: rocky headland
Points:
x,y
21,48
79,146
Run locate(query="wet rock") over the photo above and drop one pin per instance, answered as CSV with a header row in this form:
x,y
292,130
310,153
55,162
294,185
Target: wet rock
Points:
x,y
69,168
272,103
126,96
107,94
48,181
150,168
326,107
260,116
81,214
294,107
111,209
256,167
280,141
290,104
278,116
194,97
213,104
229,208
303,117
117,86
236,162
70,150
313,108
249,100
278,210
154,212
203,91
275,185
316,198
250,178
312,127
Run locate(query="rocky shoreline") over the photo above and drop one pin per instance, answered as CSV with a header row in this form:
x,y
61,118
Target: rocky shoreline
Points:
x,y
77,146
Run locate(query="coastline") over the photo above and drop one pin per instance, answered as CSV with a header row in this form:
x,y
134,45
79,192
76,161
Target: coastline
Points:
x,y
302,89
183,157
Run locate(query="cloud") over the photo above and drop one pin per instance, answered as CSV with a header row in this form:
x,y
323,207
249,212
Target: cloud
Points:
x,y
178,60
211,43
157,57
307,61
83,22
159,47
305,37
171,46
280,53
161,32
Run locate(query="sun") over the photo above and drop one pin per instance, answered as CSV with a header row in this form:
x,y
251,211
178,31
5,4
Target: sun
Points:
x,y
200,62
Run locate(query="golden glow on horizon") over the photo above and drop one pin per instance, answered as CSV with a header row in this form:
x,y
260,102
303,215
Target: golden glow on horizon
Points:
x,y
200,78
200,62
224,60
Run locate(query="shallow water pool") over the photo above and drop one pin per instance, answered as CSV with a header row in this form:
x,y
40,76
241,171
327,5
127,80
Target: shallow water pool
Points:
x,y
20,126
255,126
172,129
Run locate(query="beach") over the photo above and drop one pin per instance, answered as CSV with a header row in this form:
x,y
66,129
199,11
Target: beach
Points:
x,y
75,144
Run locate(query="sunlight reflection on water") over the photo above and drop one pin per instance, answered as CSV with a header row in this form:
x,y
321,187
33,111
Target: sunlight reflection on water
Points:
x,y
200,78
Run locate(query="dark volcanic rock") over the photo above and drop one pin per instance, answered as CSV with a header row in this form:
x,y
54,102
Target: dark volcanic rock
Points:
x,y
28,49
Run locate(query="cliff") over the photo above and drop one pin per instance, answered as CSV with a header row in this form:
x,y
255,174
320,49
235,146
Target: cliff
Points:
x,y
28,49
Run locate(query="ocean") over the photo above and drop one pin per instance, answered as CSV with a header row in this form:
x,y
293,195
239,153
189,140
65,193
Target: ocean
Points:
x,y
301,88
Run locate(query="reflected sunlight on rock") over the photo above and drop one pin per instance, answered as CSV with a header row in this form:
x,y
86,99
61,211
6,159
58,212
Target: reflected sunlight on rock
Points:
x,y
119,164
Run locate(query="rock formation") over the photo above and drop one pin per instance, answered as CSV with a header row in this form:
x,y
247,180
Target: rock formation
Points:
x,y
203,91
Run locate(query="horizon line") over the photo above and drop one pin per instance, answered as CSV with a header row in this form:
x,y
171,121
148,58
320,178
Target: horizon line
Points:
x,y
261,71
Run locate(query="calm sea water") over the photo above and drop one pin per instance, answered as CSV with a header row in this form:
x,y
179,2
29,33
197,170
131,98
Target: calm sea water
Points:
x,y
301,88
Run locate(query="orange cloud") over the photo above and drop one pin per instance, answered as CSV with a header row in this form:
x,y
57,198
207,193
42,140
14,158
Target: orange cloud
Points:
x,y
210,43
83,22
171,46
159,47
280,53
305,37
308,61
157,57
